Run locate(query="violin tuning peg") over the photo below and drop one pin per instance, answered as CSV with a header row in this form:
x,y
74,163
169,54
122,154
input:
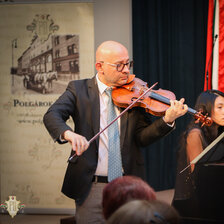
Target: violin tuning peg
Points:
x,y
202,124
197,121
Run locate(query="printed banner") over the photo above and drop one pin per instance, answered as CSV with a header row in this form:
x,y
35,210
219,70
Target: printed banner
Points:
x,y
42,48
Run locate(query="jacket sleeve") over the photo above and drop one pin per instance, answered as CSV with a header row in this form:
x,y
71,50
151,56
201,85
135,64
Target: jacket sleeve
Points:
x,y
56,116
148,132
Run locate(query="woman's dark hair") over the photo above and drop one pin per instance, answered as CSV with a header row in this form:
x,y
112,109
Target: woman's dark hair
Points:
x,y
205,104
124,189
185,184
205,101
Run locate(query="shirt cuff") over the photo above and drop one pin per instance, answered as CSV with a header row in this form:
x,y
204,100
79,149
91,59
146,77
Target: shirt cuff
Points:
x,y
62,140
170,125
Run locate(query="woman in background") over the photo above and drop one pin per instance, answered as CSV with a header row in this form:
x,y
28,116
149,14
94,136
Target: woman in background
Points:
x,y
193,141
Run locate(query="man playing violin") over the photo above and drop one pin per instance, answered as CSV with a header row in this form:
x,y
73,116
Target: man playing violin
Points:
x,y
86,102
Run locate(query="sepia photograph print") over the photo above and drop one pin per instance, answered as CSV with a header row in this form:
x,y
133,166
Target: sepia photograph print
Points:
x,y
46,66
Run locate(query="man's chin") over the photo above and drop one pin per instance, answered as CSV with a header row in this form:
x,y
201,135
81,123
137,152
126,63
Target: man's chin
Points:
x,y
123,81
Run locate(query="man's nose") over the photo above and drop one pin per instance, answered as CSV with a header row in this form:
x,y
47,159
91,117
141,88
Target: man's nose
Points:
x,y
126,69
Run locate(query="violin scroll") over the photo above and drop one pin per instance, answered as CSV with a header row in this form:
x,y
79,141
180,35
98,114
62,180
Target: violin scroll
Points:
x,y
204,119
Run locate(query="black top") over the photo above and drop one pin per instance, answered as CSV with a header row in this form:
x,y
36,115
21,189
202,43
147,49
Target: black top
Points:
x,y
200,194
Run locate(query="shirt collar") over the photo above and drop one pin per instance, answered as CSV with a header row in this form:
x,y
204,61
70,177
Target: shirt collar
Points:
x,y
101,86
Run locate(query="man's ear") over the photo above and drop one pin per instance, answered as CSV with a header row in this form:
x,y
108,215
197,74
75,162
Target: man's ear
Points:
x,y
98,66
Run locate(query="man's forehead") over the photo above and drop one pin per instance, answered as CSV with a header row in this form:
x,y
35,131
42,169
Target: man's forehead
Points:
x,y
116,57
121,60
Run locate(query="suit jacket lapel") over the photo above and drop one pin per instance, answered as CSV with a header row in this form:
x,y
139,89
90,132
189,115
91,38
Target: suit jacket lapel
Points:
x,y
124,120
95,106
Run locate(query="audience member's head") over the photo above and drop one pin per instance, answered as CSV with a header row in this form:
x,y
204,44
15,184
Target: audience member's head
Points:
x,y
124,189
145,212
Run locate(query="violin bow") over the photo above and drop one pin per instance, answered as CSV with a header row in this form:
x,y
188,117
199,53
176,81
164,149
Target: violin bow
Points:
x,y
195,160
93,138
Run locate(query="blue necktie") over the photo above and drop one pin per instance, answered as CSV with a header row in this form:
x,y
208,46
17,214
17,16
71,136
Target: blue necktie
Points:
x,y
114,152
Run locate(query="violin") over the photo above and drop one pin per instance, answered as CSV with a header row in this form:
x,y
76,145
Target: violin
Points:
x,y
155,102
137,93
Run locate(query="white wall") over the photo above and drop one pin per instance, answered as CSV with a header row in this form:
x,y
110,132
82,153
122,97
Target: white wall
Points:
x,y
113,21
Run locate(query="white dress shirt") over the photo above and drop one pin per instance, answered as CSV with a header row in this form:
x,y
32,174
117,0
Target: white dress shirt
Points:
x,y
102,165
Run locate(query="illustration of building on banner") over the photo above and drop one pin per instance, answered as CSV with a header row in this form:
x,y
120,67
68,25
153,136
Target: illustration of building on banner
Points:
x,y
50,62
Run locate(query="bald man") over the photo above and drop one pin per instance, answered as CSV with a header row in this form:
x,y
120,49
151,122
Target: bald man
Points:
x,y
86,102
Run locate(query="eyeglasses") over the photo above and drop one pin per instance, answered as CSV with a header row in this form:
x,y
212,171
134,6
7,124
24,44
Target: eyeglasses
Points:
x,y
120,66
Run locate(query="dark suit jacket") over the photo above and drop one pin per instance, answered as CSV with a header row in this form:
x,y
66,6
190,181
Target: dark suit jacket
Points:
x,y
81,102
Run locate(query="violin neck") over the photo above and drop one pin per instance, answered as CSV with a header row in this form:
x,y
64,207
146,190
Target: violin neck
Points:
x,y
166,100
160,98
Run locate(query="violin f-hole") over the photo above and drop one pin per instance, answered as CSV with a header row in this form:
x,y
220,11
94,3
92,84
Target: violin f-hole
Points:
x,y
135,98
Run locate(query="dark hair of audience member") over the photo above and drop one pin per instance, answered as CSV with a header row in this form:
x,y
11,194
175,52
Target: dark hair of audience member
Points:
x,y
124,189
145,212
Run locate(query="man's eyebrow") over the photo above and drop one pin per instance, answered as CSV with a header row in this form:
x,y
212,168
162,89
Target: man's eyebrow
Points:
x,y
121,62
